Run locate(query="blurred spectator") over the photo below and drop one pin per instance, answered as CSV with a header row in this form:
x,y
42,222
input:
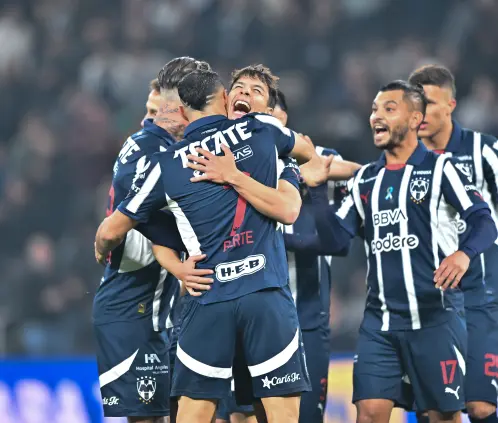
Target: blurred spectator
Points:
x,y
74,79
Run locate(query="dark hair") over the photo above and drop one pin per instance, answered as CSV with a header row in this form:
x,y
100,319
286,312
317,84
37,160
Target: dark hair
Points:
x,y
413,94
281,101
262,73
196,88
154,85
436,75
173,71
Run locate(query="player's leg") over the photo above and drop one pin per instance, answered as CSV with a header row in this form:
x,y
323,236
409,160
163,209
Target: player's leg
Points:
x,y
133,370
202,369
377,376
317,347
434,359
482,364
173,338
243,418
274,352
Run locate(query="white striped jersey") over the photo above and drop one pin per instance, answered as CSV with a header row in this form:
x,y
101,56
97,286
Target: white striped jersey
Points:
x,y
245,248
476,156
134,285
407,217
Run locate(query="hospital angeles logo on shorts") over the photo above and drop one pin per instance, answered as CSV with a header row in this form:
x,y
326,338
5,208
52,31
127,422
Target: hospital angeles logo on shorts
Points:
x,y
146,387
274,381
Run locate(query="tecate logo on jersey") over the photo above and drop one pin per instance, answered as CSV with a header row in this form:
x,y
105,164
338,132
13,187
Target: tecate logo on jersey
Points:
x,y
226,272
388,217
394,243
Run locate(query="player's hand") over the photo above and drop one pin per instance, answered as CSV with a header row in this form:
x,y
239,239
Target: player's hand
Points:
x,y
316,171
99,257
451,270
218,169
194,279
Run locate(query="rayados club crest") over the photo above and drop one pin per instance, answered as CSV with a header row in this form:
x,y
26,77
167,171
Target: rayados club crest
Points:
x,y
419,187
146,387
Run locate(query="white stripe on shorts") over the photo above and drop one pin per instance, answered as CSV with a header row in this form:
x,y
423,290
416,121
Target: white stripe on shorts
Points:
x,y
277,361
117,371
202,368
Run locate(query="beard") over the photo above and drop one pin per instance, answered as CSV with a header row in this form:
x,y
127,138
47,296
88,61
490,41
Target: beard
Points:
x,y
398,134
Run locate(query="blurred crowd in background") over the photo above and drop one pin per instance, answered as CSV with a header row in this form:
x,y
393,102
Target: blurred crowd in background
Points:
x,y
74,78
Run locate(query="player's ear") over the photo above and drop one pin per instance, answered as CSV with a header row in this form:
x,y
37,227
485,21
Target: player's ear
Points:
x,y
452,103
416,121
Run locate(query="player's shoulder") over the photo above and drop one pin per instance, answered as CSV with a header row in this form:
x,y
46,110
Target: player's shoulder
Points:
x,y
263,120
469,135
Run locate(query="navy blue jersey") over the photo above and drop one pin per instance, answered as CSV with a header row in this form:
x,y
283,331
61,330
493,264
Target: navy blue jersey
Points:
x,y
310,274
476,157
244,247
134,285
407,217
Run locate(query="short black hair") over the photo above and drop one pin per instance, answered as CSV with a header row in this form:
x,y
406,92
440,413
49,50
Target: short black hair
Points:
x,y
413,94
173,71
196,88
281,101
437,75
264,74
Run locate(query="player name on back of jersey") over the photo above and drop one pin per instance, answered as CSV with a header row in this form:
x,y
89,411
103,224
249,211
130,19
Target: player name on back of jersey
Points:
x,y
212,143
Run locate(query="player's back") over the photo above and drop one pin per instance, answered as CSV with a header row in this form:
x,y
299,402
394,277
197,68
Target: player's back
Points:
x,y
242,245
134,284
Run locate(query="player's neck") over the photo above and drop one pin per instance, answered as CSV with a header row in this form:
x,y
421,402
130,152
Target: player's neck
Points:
x,y
208,111
440,140
401,153
170,119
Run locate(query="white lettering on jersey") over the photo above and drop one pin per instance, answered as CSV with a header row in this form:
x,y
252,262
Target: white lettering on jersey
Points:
x,y
127,150
151,358
388,217
212,143
226,272
243,153
394,243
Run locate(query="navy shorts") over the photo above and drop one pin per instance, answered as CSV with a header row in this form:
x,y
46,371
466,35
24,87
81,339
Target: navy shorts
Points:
x,y
133,366
255,338
482,356
227,406
317,347
422,369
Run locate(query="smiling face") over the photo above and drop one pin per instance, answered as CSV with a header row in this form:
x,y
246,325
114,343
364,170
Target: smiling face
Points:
x,y
390,119
248,95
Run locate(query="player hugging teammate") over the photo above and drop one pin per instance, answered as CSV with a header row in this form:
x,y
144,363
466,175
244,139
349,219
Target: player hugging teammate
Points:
x,y
223,189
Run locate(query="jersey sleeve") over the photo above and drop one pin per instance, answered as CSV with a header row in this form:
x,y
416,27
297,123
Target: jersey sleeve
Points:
x,y
337,189
347,213
148,196
465,199
289,171
284,137
490,166
161,229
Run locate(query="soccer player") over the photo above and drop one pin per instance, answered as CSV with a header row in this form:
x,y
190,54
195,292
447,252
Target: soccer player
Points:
x,y
250,294
404,205
134,294
476,158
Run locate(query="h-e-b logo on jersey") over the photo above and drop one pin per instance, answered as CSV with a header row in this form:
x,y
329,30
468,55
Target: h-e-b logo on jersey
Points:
x,y
226,272
419,187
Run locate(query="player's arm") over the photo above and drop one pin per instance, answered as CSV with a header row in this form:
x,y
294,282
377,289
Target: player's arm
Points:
x,y
312,244
468,202
136,208
335,227
281,204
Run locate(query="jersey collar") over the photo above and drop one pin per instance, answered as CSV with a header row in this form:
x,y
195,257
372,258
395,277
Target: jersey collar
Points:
x,y
455,138
208,120
415,159
151,127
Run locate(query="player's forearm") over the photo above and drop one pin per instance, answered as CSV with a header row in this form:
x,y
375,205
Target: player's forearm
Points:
x,y
268,201
169,259
312,244
303,150
329,230
106,239
342,170
483,233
